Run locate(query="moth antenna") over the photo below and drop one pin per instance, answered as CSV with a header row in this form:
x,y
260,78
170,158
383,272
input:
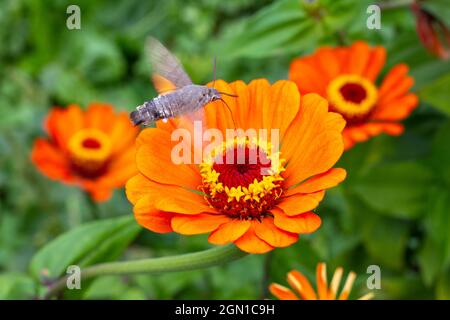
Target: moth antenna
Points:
x,y
214,70
229,94
231,113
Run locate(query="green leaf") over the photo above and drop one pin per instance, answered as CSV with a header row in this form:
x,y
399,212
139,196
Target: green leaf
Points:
x,y
437,94
60,82
331,242
91,243
434,256
430,261
16,286
440,158
429,71
287,27
385,239
94,56
268,32
238,288
443,286
345,15
437,221
408,285
396,189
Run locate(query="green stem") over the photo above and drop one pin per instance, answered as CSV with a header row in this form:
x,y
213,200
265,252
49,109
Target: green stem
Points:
x,y
184,262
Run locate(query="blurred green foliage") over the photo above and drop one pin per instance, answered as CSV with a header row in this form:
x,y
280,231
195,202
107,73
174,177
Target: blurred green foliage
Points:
x,y
393,210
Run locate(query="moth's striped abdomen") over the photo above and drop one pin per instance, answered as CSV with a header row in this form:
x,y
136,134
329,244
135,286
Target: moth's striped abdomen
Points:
x,y
179,102
152,110
136,117
143,113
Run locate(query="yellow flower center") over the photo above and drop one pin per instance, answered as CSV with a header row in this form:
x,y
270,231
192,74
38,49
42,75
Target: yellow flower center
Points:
x,y
352,96
89,151
242,178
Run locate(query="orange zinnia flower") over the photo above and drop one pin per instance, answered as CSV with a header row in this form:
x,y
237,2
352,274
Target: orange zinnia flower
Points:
x,y
346,77
235,202
303,287
93,149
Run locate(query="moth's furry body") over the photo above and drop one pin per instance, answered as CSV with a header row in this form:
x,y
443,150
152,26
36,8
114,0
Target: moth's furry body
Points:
x,y
182,101
178,95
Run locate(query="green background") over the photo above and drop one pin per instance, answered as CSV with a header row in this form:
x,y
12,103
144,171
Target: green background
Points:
x,y
392,210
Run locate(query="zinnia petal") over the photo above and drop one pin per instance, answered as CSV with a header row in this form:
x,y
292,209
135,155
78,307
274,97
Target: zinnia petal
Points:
x,y
201,223
122,135
377,60
217,114
323,181
242,102
100,116
121,168
50,160
301,284
282,108
299,203
166,198
151,218
154,161
327,62
321,280
282,292
311,146
396,109
306,77
397,73
267,231
251,243
185,202
57,124
358,58
229,232
304,223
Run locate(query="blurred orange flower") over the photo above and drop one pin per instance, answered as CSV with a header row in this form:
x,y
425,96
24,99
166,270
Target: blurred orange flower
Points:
x,y
94,149
236,203
346,77
306,292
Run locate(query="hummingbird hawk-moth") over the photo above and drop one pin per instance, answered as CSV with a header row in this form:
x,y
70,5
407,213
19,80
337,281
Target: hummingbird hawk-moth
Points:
x,y
178,96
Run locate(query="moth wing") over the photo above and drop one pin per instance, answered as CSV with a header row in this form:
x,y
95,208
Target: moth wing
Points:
x,y
162,85
168,73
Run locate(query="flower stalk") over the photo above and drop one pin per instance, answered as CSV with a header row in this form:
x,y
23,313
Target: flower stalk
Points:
x,y
190,261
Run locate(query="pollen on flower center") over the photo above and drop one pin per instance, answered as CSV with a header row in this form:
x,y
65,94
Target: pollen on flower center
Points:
x,y
89,151
241,178
352,95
